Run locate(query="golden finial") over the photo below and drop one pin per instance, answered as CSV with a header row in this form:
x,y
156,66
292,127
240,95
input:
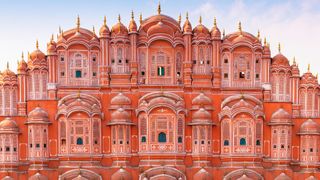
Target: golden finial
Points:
x,y
62,32
37,44
28,55
78,23
52,37
119,18
317,76
240,27
22,56
179,18
200,20
265,41
93,31
159,8
105,21
294,60
258,35
7,65
140,18
187,16
268,44
132,15
224,33
279,47
214,22
59,29
309,67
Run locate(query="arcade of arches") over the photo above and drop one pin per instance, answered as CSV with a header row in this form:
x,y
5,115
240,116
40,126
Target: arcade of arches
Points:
x,y
158,101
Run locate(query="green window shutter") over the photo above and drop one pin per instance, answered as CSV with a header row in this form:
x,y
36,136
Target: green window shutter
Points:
x,y
78,74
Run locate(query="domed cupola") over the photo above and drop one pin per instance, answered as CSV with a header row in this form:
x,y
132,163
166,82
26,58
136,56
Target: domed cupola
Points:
x,y
200,29
51,46
121,174
202,174
294,68
38,115
309,78
132,24
280,59
187,28
280,117
8,126
120,116
37,54
215,32
38,176
282,176
201,116
104,30
22,65
309,127
120,100
119,29
8,76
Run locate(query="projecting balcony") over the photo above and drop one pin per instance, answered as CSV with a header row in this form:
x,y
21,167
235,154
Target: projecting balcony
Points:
x,y
309,113
120,70
281,97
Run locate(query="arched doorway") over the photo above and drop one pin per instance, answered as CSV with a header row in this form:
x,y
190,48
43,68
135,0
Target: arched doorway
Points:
x,y
162,173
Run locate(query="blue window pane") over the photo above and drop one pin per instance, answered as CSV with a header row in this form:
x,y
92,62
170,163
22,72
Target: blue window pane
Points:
x,y
79,141
78,74
162,137
226,143
243,142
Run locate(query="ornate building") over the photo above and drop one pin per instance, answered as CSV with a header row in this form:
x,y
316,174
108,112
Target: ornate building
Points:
x,y
161,100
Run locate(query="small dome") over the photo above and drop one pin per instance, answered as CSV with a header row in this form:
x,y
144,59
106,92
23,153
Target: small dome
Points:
x,y
37,54
120,99
309,127
8,73
121,174
120,115
119,29
104,30
202,174
201,115
199,29
187,28
132,24
280,60
22,65
244,177
51,47
38,115
8,125
201,99
215,33
281,116
309,78
160,27
7,178
282,176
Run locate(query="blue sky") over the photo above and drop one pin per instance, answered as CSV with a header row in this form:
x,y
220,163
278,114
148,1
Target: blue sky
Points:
x,y
296,24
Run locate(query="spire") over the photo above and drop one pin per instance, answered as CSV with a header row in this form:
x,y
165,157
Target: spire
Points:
x,y
159,8
258,35
7,64
265,41
119,18
78,23
93,31
294,60
104,21
309,67
214,22
37,44
59,29
279,48
224,33
240,27
140,18
132,15
187,16
179,18
28,55
200,20
52,37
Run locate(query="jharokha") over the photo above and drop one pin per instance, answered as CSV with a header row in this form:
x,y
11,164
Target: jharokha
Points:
x,y
158,101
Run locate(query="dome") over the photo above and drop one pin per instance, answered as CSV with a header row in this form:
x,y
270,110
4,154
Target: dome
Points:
x,y
132,24
121,174
215,33
244,177
119,29
282,176
37,54
202,174
120,115
309,127
7,73
199,29
187,28
201,99
104,30
281,117
309,78
51,47
120,99
7,178
8,125
280,60
160,27
201,115
22,65
38,115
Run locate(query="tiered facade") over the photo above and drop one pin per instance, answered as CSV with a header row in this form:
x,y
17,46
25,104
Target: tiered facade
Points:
x,y
161,100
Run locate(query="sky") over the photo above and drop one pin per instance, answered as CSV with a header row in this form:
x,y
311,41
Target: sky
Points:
x,y
295,24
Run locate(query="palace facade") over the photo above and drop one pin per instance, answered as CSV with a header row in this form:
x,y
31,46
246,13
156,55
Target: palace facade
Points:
x,y
158,101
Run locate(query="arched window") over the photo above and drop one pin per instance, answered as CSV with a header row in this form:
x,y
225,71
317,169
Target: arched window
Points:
x,y
79,141
179,139
226,143
143,139
162,137
243,142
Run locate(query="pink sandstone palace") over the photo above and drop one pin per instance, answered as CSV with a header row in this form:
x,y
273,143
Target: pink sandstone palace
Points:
x,y
158,101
